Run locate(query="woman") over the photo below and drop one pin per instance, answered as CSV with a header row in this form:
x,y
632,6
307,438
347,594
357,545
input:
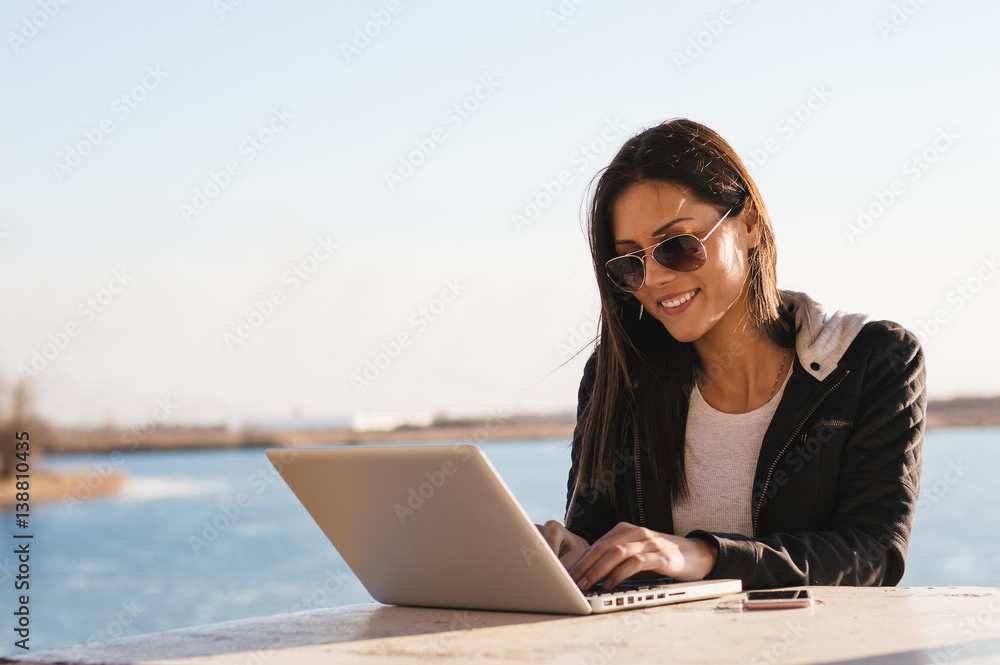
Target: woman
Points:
x,y
726,429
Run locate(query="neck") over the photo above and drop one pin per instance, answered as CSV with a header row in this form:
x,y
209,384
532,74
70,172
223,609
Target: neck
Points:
x,y
740,367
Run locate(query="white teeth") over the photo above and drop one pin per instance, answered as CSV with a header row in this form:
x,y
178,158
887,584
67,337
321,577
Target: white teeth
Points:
x,y
679,301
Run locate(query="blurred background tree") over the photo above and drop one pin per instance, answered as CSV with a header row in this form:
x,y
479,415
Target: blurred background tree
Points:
x,y
17,415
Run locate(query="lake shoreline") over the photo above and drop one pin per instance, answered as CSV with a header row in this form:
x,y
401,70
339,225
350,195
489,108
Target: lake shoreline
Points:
x,y
963,412
520,428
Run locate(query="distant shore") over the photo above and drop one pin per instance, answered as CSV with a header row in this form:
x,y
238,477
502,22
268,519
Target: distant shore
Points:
x,y
473,430
963,412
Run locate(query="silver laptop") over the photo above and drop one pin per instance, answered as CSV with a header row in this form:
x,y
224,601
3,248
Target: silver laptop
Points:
x,y
436,526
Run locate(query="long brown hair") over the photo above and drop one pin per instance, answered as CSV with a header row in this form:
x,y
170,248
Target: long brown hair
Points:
x,y
641,369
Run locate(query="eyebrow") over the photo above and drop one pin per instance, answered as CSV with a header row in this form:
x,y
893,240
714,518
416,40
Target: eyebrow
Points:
x,y
659,232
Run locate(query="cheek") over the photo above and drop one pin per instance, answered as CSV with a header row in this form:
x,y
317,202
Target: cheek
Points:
x,y
731,265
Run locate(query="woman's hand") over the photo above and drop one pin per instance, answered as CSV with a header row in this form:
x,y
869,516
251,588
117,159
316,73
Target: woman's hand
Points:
x,y
628,550
568,546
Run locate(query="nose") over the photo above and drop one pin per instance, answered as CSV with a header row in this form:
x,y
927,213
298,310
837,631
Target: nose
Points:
x,y
657,275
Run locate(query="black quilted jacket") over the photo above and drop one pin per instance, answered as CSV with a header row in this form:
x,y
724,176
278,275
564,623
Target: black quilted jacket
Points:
x,y
836,482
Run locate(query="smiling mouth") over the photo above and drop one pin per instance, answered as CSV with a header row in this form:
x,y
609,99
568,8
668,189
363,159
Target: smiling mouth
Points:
x,y
677,302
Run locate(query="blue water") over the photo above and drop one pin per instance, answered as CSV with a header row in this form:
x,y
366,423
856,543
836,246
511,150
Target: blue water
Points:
x,y
176,549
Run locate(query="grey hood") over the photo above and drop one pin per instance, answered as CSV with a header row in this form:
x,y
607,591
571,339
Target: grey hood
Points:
x,y
821,337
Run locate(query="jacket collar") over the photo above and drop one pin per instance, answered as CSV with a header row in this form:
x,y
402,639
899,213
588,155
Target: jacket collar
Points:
x,y
821,337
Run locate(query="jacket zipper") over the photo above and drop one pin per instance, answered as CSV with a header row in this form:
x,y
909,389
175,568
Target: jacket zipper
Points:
x,y
638,472
770,472
836,422
833,422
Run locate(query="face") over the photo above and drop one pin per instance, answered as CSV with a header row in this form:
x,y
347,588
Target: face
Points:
x,y
690,305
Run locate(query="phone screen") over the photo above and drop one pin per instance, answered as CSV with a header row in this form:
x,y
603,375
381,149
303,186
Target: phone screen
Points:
x,y
795,594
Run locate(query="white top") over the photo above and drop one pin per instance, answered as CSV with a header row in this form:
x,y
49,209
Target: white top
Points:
x,y
720,457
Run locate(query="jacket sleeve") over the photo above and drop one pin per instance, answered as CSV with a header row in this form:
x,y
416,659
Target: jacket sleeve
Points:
x,y
876,490
588,514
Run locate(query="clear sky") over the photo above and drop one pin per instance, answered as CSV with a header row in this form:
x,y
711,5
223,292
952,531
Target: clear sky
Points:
x,y
236,208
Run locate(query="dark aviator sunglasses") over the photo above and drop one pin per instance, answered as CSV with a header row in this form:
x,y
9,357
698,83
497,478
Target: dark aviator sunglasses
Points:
x,y
683,253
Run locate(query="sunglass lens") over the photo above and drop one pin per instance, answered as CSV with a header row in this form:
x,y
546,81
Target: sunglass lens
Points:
x,y
626,272
683,254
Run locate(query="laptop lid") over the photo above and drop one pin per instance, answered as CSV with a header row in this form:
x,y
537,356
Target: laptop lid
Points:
x,y
429,525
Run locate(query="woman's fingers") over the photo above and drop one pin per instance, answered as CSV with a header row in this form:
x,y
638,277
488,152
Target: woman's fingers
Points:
x,y
552,532
631,566
604,561
623,552
592,555
567,545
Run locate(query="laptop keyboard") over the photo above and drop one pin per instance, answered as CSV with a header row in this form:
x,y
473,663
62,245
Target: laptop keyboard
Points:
x,y
630,586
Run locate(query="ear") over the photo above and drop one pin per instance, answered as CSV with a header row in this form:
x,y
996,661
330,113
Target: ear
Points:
x,y
752,223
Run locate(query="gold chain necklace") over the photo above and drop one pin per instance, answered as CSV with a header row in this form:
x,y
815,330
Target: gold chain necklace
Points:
x,y
780,370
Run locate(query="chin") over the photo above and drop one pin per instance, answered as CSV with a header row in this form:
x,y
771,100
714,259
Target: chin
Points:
x,y
681,333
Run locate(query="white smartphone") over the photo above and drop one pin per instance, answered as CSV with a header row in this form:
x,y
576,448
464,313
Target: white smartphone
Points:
x,y
777,599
